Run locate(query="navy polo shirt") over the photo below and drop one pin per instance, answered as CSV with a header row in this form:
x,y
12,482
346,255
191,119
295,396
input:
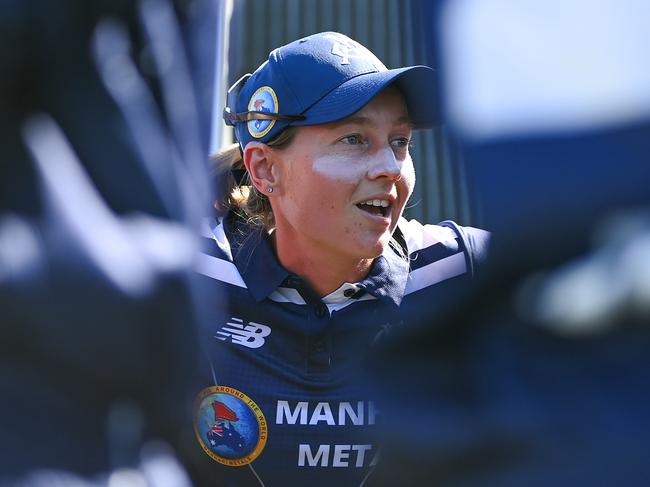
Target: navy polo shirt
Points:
x,y
283,401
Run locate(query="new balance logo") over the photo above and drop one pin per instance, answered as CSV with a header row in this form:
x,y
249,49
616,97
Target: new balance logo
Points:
x,y
250,335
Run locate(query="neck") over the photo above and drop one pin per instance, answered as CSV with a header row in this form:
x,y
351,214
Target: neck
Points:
x,y
322,269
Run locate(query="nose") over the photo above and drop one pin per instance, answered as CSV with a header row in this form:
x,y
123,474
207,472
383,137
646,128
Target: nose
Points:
x,y
385,164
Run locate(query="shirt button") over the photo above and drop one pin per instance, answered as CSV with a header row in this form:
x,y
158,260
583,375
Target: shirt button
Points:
x,y
348,293
321,311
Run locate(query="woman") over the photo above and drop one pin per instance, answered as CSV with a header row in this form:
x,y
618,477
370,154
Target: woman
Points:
x,y
315,262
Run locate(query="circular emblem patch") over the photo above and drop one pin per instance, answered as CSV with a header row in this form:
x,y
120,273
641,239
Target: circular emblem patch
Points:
x,y
229,426
263,100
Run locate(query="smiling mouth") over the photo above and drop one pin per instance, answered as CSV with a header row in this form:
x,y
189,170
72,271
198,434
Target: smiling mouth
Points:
x,y
375,207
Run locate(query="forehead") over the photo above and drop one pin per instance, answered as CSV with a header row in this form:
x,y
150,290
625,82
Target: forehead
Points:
x,y
387,108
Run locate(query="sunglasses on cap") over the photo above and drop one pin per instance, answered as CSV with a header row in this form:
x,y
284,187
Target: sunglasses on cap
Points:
x,y
231,118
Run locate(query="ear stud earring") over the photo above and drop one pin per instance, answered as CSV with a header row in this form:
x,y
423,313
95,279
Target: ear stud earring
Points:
x,y
269,189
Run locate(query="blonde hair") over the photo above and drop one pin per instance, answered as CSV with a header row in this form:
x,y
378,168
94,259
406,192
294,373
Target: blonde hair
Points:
x,y
238,193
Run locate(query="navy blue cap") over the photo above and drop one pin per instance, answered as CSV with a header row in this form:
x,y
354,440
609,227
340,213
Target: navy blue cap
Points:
x,y
320,79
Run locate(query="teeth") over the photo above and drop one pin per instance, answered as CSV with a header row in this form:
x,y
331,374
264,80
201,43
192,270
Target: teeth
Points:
x,y
382,203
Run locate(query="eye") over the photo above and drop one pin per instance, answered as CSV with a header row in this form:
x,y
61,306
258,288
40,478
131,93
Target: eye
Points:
x,y
402,143
353,139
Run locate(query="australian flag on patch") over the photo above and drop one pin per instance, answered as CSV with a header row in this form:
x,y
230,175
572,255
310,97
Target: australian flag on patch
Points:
x,y
217,430
222,432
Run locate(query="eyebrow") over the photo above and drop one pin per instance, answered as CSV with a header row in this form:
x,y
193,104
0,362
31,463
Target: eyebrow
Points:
x,y
360,120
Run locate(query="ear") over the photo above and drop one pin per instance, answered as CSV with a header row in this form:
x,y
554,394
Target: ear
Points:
x,y
260,164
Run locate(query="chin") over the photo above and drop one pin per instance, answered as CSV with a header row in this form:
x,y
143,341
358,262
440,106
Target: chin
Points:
x,y
373,249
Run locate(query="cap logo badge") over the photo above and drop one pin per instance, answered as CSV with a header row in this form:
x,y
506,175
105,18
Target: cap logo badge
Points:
x,y
263,100
343,51
346,48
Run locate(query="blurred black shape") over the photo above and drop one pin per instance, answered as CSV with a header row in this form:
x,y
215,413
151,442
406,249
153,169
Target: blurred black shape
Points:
x,y
538,374
103,180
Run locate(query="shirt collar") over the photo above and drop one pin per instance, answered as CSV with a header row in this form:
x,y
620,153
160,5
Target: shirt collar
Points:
x,y
387,277
254,258
262,272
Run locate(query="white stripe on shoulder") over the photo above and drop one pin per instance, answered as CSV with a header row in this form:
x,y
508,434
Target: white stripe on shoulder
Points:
x,y
219,269
286,295
211,228
206,227
436,272
420,236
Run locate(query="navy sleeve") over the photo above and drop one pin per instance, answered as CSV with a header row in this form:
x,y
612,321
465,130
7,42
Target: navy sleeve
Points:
x,y
474,241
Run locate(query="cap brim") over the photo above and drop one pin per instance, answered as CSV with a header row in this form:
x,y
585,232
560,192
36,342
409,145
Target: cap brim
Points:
x,y
417,83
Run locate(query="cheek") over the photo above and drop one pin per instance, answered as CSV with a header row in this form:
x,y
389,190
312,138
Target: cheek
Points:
x,y
408,177
339,169
312,194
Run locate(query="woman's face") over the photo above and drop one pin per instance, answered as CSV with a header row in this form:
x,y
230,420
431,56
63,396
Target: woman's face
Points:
x,y
344,185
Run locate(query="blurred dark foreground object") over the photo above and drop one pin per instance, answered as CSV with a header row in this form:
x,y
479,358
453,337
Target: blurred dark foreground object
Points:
x,y
102,184
539,374
537,379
